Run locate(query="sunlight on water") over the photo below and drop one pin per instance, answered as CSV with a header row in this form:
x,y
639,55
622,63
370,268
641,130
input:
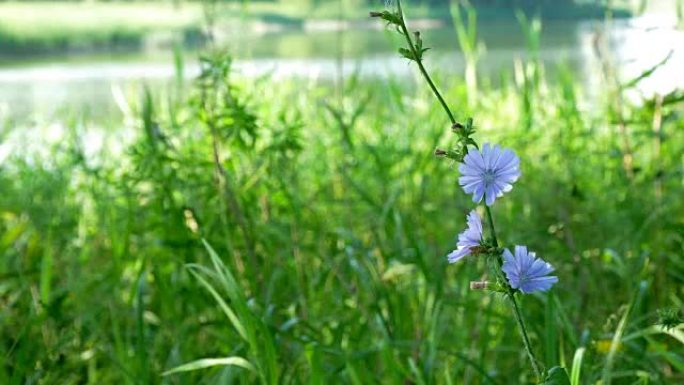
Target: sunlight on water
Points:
x,y
634,45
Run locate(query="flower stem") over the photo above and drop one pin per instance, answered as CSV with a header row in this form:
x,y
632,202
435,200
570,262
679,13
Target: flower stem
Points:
x,y
523,331
511,296
491,226
419,61
516,309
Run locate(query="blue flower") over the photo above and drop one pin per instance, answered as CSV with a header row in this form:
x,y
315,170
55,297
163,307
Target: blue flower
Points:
x,y
489,173
468,239
527,272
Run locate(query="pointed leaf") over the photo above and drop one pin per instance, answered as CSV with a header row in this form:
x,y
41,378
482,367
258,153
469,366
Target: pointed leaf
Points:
x,y
406,53
237,324
557,376
209,362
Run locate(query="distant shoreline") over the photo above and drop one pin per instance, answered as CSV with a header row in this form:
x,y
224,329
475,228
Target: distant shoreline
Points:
x,y
39,28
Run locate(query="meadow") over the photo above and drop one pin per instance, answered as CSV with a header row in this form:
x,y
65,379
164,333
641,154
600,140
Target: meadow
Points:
x,y
246,230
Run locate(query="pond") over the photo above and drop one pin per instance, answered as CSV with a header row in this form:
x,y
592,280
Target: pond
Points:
x,y
76,83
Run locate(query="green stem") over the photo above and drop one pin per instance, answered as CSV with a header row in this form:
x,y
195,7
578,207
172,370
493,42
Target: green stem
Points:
x,y
491,226
526,339
516,308
511,295
423,71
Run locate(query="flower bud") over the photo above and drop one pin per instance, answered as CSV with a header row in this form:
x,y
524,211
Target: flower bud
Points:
x,y
479,285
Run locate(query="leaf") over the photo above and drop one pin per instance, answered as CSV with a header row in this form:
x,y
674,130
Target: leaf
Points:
x,y
209,362
557,376
234,319
406,53
577,366
392,18
648,72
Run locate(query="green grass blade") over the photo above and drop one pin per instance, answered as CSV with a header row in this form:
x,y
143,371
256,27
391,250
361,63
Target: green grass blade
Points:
x,y
353,375
234,320
250,326
46,268
619,332
210,362
577,366
551,340
675,333
141,336
417,375
225,277
313,358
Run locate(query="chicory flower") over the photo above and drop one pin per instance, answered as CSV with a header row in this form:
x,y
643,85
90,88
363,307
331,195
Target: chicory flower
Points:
x,y
469,238
489,173
526,272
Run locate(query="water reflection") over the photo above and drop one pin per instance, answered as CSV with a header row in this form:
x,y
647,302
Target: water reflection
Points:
x,y
86,83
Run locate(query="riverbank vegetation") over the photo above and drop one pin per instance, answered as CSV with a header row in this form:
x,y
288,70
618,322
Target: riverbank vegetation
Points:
x,y
256,230
333,219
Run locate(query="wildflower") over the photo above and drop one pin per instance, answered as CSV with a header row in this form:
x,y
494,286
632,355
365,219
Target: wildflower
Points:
x,y
489,173
527,272
604,346
468,239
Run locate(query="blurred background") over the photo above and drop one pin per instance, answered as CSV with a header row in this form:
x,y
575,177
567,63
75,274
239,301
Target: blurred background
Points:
x,y
292,137
69,54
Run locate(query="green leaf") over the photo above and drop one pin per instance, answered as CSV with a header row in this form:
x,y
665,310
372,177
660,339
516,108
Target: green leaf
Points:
x,y
406,53
234,319
577,366
392,18
557,376
209,362
648,72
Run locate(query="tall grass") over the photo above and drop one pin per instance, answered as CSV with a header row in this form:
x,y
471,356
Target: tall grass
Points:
x,y
249,234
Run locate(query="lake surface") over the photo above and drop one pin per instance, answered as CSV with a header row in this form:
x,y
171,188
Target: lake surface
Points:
x,y
66,84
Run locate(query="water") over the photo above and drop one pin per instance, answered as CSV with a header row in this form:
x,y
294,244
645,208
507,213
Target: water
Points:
x,y
73,84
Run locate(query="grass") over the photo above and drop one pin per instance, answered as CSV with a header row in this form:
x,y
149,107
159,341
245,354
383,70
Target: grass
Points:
x,y
253,231
325,250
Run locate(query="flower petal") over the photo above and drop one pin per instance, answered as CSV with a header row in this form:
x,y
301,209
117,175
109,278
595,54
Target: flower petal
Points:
x,y
458,254
489,173
526,272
